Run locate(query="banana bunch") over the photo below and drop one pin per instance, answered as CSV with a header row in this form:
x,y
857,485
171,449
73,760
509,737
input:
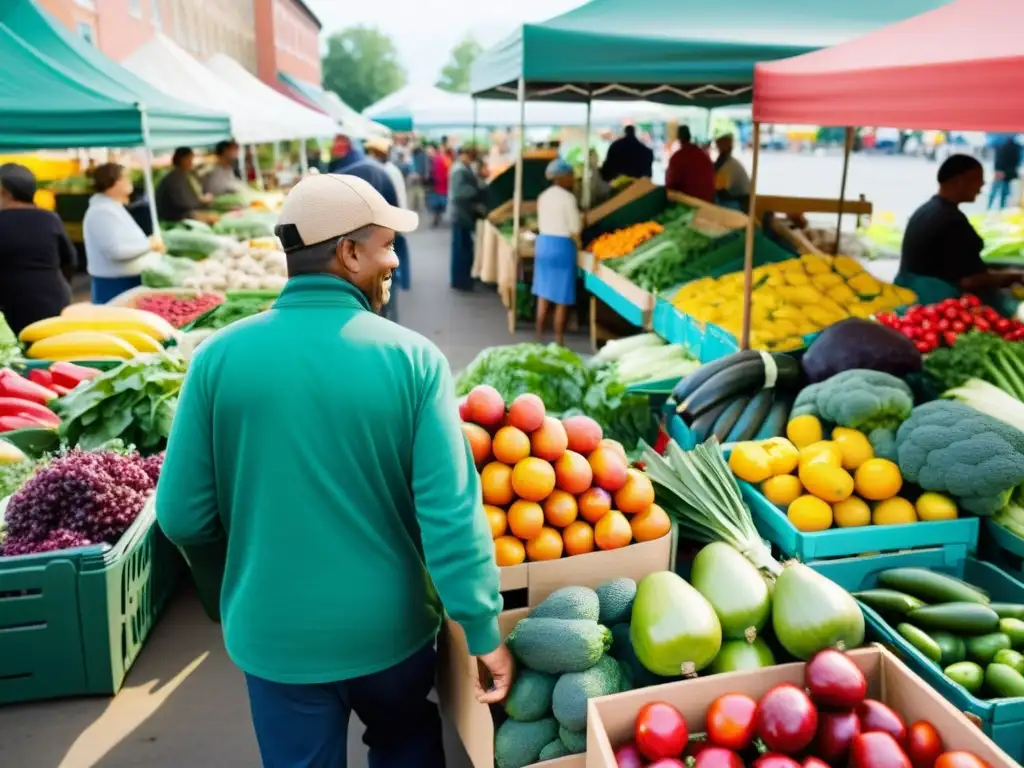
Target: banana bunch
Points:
x,y
96,332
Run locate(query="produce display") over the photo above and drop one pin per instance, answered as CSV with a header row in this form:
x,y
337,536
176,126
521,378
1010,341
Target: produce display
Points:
x,y
10,350
1001,231
791,299
178,309
247,224
829,721
622,242
91,332
983,356
554,488
940,325
976,642
742,396
258,264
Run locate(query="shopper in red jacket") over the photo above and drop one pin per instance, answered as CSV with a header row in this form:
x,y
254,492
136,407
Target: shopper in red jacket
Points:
x,y
690,169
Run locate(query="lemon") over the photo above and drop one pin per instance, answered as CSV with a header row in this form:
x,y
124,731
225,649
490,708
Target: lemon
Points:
x,y
804,430
894,511
852,513
750,462
782,490
809,514
783,455
877,480
934,506
823,451
854,447
828,483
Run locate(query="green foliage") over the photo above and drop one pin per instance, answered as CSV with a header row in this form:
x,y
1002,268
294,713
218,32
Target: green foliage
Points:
x,y
455,74
361,66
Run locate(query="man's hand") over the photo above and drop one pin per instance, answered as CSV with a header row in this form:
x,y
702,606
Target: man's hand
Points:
x,y
156,244
502,670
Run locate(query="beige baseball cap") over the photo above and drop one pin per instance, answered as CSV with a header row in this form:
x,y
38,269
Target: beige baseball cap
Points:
x,y
330,205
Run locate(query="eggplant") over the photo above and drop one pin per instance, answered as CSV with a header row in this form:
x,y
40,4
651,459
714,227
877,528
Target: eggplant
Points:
x,y
746,377
729,417
689,384
753,416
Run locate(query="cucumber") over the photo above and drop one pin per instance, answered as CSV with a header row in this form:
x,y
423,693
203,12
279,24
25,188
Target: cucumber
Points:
x,y
966,673
1010,659
965,618
889,601
982,648
953,647
1005,610
931,587
920,640
1013,629
1005,681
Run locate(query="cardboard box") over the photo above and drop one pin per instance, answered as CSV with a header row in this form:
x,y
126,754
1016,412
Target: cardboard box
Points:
x,y
610,718
458,671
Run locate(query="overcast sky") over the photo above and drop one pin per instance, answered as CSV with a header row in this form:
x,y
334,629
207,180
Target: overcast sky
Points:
x,y
425,31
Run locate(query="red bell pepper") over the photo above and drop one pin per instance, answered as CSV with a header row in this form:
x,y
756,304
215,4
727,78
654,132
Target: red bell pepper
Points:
x,y
41,377
70,375
12,406
17,386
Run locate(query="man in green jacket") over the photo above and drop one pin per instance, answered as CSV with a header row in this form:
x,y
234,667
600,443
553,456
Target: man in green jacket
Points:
x,y
324,441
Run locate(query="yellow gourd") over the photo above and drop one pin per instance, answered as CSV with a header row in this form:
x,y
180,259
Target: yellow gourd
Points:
x,y
91,318
81,345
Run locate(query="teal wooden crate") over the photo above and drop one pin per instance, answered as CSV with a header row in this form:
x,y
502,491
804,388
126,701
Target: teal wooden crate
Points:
x,y
960,535
1001,719
718,342
1003,548
622,306
678,431
669,323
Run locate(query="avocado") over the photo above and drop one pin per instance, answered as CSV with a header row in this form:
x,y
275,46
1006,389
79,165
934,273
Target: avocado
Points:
x,y
559,645
574,689
616,600
530,697
517,745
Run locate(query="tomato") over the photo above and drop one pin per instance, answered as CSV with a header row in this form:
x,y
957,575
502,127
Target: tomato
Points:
x,y
960,760
982,324
958,326
836,732
923,744
833,680
927,324
990,314
775,761
970,300
717,757
660,731
930,337
668,762
814,762
930,313
876,716
950,338
731,721
628,756
786,719
923,348
943,324
1001,325
951,312
877,750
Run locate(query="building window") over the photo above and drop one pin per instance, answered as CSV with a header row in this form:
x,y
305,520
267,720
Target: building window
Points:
x,y
154,12
86,33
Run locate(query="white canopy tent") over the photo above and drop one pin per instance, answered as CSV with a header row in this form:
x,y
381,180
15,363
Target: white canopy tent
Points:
x,y
353,123
302,122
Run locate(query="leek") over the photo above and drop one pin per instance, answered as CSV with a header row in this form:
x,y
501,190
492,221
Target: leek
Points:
x,y
698,491
615,349
989,399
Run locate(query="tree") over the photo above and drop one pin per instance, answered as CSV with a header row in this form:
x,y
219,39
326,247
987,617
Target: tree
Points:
x,y
361,66
455,74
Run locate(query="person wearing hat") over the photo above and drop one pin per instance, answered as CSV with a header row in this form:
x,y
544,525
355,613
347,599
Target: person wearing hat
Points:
x,y
37,257
380,150
467,203
554,263
346,491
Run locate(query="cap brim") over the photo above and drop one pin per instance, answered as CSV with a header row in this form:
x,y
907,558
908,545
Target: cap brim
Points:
x,y
397,219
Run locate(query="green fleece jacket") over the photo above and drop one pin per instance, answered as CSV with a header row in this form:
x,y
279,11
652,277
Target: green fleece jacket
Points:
x,y
325,441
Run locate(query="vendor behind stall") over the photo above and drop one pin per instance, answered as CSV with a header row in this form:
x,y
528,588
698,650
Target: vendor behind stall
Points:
x,y
732,184
690,169
222,178
941,252
179,194
628,156
554,263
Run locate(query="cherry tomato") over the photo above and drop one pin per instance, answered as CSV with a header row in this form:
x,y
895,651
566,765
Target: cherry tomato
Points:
x,y
966,318
1001,325
951,312
958,326
923,744
930,313
943,324
731,721
982,324
970,300
990,314
950,338
927,324
930,337
786,719
922,347
660,731
960,760
717,757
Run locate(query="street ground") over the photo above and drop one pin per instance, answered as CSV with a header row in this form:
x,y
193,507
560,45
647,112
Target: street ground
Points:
x,y
184,703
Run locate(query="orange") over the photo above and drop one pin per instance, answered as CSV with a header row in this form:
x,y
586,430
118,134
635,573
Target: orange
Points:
x,y
546,545
578,538
594,503
496,483
533,479
510,445
651,524
525,519
612,531
496,519
878,479
508,550
636,495
560,509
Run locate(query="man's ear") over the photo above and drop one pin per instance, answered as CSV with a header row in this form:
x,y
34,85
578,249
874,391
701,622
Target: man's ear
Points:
x,y
345,253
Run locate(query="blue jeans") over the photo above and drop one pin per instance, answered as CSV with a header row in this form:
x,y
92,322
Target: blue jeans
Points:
x,y
306,726
462,256
1000,191
104,289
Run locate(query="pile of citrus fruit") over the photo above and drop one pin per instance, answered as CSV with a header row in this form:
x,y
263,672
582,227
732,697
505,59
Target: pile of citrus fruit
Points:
x,y
554,488
839,483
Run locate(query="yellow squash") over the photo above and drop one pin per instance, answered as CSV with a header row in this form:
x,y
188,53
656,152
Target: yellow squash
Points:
x,y
81,345
86,317
138,339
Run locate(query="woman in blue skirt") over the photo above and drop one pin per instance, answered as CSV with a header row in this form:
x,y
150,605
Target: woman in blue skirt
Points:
x,y
554,263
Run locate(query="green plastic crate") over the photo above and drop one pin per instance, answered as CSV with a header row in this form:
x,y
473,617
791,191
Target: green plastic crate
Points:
x,y
1003,548
1001,719
72,623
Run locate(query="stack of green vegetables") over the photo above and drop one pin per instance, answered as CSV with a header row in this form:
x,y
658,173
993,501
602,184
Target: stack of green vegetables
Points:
x,y
246,225
977,355
10,349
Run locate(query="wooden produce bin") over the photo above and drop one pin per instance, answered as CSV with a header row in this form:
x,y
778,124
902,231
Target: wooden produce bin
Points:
x,y
458,671
783,207
610,718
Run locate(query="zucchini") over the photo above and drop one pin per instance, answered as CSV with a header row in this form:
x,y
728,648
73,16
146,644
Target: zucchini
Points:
x,y
889,601
1013,629
920,640
774,424
965,618
729,417
953,647
931,587
1005,681
1008,610
744,378
1010,659
966,673
981,649
749,422
689,384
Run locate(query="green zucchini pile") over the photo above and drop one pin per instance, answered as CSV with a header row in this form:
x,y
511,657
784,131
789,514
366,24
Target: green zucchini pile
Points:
x,y
977,643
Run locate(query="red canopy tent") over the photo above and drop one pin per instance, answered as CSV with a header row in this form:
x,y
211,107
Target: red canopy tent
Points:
x,y
959,67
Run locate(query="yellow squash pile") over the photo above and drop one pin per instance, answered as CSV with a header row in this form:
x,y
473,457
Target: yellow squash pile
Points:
x,y
791,299
92,332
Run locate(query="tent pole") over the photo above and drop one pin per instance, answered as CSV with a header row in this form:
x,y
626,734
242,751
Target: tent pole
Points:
x,y
748,245
147,169
847,149
707,126
586,160
517,203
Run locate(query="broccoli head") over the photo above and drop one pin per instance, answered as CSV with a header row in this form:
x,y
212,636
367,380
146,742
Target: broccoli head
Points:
x,y
859,399
950,447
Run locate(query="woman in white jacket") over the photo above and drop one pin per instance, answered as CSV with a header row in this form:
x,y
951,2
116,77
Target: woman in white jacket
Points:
x,y
116,248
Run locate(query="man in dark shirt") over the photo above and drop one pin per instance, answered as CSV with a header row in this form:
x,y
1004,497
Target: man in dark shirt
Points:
x,y
939,242
179,194
690,169
628,156
1007,161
